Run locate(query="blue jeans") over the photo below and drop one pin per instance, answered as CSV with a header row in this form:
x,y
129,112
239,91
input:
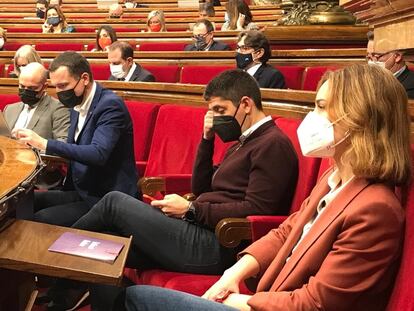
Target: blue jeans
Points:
x,y
151,298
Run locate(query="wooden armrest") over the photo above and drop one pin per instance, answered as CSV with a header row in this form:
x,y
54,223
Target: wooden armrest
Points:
x,y
231,231
151,185
53,162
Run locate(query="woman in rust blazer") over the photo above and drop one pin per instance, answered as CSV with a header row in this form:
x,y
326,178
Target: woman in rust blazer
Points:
x,y
340,251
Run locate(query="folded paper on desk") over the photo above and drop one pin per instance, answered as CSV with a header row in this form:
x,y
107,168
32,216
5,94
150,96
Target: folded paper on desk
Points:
x,y
86,246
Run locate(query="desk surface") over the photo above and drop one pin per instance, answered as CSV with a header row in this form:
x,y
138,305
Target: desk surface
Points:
x,y
24,244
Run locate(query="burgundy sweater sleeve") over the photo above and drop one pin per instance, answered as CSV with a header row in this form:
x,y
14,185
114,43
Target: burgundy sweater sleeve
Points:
x,y
203,169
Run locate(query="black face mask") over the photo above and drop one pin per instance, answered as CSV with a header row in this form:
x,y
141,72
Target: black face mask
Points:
x,y
200,44
40,13
29,97
227,127
243,60
68,97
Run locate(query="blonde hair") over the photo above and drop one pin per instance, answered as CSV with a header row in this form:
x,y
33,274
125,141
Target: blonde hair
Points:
x,y
373,106
160,15
27,52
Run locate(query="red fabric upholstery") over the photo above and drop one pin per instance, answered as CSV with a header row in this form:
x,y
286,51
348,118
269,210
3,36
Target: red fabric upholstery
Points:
x,y
170,74
13,46
6,99
293,76
308,173
28,30
201,74
143,117
100,71
313,75
402,297
162,46
59,47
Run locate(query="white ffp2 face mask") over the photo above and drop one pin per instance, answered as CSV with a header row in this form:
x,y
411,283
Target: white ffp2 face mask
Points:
x,y
376,63
116,71
1,43
316,136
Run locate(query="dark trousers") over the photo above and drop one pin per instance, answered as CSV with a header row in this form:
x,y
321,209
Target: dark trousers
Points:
x,y
61,208
158,240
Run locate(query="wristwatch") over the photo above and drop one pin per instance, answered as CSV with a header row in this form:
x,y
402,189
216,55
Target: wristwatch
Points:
x,y
190,215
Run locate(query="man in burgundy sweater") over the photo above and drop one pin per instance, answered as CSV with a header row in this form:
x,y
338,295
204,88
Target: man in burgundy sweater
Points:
x,y
257,176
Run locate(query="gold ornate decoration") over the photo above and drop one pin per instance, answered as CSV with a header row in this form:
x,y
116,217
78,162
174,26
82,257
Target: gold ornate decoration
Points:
x,y
316,12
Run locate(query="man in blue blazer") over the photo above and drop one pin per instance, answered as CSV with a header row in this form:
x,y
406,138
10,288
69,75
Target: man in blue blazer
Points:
x,y
99,145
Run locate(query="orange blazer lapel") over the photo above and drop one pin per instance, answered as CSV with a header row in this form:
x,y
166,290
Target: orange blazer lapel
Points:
x,y
331,212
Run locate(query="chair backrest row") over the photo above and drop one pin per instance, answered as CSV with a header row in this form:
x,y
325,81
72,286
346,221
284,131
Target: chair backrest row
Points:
x,y
296,77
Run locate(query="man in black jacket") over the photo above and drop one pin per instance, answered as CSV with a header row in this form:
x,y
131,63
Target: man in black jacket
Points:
x,y
203,34
122,65
253,51
394,62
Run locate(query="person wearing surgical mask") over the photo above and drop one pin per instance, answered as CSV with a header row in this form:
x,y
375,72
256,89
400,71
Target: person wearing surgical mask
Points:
x,y
252,53
41,7
3,38
122,65
156,21
105,36
203,37
55,21
394,62
340,250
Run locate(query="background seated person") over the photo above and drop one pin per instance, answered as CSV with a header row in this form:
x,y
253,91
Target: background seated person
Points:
x,y
122,65
131,4
156,21
40,113
41,7
257,176
253,51
37,110
394,62
99,145
214,2
115,11
105,36
55,21
56,2
340,251
203,35
206,10
26,54
238,16
3,38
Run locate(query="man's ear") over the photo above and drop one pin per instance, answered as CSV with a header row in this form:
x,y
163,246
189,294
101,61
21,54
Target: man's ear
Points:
x,y
85,77
247,104
258,54
398,57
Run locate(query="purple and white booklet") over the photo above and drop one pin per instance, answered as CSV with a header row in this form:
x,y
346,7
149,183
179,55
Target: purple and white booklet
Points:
x,y
86,246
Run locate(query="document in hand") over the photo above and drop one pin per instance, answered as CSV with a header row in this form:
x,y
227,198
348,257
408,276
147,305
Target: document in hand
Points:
x,y
86,246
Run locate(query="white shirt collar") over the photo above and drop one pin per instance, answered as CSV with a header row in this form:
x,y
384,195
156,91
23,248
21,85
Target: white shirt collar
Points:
x,y
255,126
130,72
252,70
83,108
399,72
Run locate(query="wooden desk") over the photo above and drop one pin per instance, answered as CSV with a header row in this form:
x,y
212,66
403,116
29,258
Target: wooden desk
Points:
x,y
24,247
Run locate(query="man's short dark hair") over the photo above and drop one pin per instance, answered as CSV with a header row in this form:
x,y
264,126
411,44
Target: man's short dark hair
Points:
x,y
205,22
257,40
44,2
233,85
125,48
208,7
75,62
370,35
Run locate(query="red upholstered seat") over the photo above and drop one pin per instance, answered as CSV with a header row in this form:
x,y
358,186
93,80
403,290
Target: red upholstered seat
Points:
x,y
162,46
293,76
59,47
27,30
201,74
177,133
313,75
143,117
6,99
308,173
402,297
13,46
170,74
100,71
